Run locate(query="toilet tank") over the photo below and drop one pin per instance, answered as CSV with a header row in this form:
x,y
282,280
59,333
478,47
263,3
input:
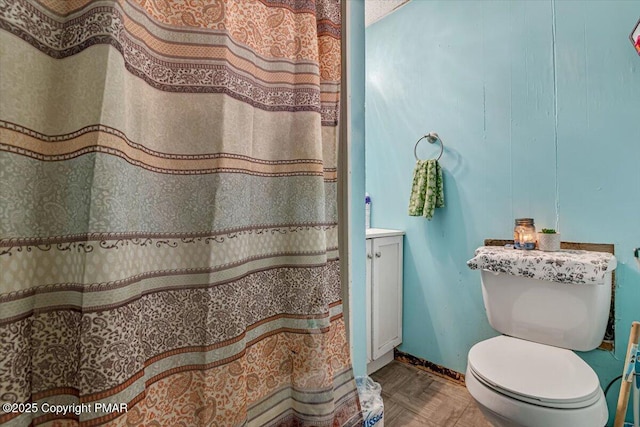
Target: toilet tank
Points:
x,y
572,316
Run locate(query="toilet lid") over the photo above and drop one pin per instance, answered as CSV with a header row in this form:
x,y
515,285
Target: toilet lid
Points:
x,y
537,373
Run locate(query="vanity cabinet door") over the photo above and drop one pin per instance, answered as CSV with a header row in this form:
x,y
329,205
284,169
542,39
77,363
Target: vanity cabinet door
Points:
x,y
385,276
369,268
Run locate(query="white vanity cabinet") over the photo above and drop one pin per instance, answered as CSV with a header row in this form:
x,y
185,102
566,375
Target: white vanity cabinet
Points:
x,y
384,295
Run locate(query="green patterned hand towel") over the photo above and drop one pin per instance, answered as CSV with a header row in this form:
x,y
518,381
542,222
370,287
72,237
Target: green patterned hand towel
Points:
x,y
427,192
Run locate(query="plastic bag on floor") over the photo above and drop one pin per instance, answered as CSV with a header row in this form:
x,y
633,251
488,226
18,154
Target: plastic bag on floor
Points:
x,y
371,402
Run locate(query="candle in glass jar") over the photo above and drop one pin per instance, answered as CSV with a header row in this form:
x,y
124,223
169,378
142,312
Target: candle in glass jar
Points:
x,y
524,234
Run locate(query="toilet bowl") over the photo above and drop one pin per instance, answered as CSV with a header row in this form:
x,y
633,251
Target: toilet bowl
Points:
x,y
519,383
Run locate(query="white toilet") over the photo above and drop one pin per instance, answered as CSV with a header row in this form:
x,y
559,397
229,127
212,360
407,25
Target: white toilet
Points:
x,y
529,377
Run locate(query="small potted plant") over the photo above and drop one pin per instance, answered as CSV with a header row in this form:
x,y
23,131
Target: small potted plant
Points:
x,y
549,240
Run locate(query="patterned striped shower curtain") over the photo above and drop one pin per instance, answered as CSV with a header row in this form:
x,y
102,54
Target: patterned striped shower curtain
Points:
x,y
168,220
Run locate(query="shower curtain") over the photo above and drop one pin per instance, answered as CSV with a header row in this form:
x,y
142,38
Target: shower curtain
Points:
x,y
168,219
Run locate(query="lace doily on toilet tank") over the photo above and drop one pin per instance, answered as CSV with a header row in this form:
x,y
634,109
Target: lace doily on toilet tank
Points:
x,y
565,266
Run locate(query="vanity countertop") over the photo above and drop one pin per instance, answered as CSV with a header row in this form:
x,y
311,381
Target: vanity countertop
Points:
x,y
382,232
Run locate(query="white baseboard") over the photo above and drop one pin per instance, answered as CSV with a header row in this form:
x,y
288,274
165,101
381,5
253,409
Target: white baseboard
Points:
x,y
380,362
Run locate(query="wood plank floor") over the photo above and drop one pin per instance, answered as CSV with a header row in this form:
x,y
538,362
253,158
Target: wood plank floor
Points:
x,y
415,398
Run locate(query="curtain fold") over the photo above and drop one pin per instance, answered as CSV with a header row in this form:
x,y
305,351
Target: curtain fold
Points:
x,y
168,214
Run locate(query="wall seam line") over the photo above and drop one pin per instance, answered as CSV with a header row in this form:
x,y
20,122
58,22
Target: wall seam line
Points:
x,y
555,109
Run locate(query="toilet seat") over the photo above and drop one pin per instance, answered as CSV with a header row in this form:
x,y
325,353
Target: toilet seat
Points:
x,y
534,373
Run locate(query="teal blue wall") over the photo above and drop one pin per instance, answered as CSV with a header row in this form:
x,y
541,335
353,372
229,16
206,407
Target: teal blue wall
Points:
x,y
538,104
356,84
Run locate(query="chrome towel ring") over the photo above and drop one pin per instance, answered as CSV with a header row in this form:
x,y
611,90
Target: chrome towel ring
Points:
x,y
432,137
